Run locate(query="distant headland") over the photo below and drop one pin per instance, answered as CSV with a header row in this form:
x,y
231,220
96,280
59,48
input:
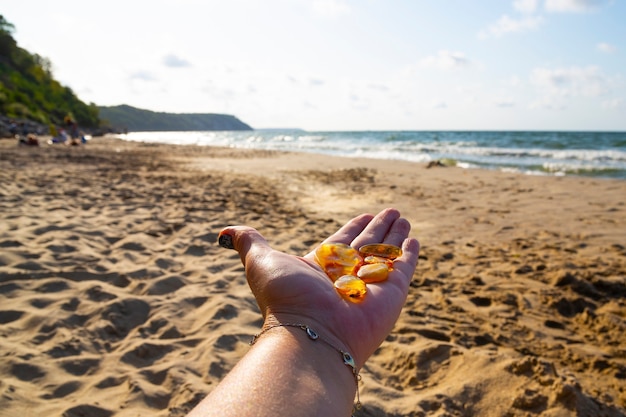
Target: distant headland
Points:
x,y
130,118
124,118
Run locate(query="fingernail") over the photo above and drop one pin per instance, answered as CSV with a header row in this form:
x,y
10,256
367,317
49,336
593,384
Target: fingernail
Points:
x,y
226,241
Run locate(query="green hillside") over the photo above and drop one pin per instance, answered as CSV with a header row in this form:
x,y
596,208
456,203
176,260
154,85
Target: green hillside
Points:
x,y
29,91
30,94
133,119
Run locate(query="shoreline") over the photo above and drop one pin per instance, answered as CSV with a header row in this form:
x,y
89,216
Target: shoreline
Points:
x,y
117,300
473,149
436,162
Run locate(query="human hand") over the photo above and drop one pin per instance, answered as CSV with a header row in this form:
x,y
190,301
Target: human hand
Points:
x,y
294,289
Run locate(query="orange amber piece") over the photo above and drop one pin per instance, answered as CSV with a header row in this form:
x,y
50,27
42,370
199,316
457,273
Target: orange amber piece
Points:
x,y
381,250
352,287
373,272
375,259
338,259
378,260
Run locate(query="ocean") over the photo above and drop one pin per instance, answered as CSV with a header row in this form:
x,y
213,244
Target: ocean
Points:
x,y
592,154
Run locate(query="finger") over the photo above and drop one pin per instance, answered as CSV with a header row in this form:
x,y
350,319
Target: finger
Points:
x,y
247,241
377,228
406,263
398,232
348,232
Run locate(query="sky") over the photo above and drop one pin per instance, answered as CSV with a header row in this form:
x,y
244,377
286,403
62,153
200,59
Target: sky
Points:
x,y
343,64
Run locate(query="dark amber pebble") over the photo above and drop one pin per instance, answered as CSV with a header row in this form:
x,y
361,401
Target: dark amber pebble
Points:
x,y
351,287
381,250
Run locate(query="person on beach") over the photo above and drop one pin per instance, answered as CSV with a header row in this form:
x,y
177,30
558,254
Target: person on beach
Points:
x,y
72,129
306,358
26,138
13,128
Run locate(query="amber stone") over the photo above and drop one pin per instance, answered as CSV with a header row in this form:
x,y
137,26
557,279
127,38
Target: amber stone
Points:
x,y
352,287
338,259
378,260
373,272
381,250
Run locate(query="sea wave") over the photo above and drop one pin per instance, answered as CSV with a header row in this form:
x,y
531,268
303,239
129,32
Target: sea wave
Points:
x,y
541,153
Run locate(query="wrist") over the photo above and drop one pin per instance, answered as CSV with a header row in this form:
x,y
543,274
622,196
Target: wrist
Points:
x,y
284,373
309,349
321,327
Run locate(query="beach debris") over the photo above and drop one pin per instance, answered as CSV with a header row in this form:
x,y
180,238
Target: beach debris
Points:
x,y
442,163
351,269
435,164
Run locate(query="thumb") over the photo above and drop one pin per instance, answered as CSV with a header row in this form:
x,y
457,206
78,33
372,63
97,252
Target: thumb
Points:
x,y
247,241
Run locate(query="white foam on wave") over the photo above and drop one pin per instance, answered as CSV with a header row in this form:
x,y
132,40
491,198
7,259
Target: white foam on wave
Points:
x,y
411,146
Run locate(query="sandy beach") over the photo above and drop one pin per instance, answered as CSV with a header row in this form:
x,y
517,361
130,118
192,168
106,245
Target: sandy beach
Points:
x,y
115,299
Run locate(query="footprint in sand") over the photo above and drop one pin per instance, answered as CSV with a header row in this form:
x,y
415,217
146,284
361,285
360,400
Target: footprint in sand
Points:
x,y
87,410
63,390
166,285
9,316
226,312
146,354
481,301
80,367
155,377
27,371
9,288
53,287
127,314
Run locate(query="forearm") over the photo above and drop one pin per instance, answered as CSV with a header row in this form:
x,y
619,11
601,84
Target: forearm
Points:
x,y
284,373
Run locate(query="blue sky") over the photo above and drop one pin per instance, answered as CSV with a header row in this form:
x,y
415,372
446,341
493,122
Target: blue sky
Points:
x,y
343,64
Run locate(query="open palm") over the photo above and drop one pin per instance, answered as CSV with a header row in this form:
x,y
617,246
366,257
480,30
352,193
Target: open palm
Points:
x,y
295,290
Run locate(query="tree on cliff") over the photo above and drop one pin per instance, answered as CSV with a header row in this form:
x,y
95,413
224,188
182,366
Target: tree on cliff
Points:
x,y
29,91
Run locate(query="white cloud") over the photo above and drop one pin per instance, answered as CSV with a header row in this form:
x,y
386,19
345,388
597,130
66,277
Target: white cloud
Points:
x,y
378,87
143,76
514,81
508,24
573,81
445,60
330,8
439,105
526,6
558,87
504,102
174,61
614,103
606,48
576,6
358,103
547,103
